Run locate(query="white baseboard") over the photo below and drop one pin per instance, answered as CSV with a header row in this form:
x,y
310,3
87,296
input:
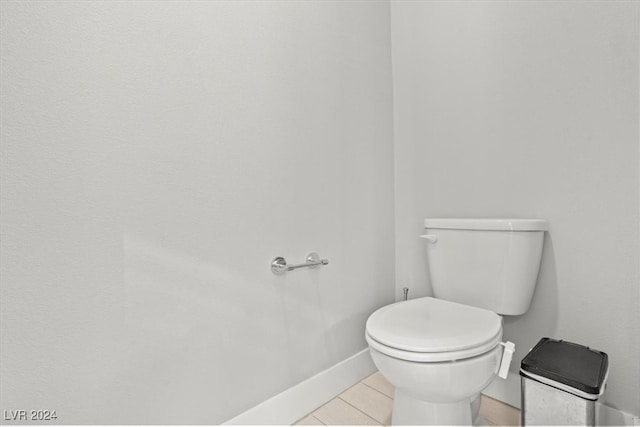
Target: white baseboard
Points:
x,y
608,416
299,400
508,391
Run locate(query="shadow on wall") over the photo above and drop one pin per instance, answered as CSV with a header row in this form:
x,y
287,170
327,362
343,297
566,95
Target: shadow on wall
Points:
x,y
542,318
427,274
184,320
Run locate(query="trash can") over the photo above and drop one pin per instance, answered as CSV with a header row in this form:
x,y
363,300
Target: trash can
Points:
x,y
561,382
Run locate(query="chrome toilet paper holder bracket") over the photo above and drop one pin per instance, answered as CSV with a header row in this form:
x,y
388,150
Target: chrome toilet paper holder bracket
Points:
x,y
279,264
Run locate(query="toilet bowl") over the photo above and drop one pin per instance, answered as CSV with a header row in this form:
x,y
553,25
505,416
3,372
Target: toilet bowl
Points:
x,y
438,354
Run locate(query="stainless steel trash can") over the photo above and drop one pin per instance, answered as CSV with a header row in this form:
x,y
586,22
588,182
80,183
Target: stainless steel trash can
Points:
x,y
561,382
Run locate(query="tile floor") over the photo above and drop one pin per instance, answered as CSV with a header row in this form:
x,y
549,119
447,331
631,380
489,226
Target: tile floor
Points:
x,y
370,402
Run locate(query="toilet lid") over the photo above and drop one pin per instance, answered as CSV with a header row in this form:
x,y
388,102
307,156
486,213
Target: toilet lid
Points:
x,y
429,325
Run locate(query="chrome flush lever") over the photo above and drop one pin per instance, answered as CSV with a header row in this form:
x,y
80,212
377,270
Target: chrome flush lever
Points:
x,y
431,238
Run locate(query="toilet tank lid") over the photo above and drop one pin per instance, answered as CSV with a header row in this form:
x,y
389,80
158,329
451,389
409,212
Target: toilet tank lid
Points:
x,y
497,224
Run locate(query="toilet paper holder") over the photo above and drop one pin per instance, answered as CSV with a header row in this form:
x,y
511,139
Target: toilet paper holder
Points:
x,y
279,264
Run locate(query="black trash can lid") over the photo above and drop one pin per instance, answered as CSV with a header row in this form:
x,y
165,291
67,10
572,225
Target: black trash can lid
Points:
x,y
573,365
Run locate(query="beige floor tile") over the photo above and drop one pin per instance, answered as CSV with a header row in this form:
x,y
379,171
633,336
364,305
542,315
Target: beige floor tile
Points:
x,y
380,383
309,420
373,403
499,413
339,412
370,402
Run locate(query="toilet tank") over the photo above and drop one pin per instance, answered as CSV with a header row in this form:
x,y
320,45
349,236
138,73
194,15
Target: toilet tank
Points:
x,y
487,263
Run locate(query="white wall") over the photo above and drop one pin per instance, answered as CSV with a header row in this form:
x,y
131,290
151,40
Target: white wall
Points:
x,y
155,157
529,109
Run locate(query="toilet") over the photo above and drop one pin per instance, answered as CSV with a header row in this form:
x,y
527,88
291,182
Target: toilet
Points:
x,y
440,352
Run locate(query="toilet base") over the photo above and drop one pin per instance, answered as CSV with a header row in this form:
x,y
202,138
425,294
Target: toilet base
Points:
x,y
408,410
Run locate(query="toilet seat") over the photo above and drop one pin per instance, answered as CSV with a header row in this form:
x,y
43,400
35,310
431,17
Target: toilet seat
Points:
x,y
433,330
